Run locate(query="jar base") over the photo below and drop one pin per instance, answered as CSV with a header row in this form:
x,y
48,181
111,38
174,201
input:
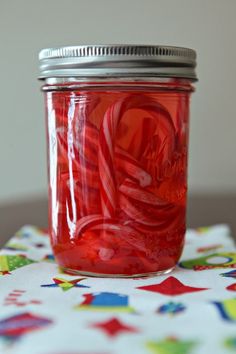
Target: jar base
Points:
x,y
102,275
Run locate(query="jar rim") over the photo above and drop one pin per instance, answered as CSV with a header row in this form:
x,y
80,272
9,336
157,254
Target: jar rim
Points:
x,y
118,61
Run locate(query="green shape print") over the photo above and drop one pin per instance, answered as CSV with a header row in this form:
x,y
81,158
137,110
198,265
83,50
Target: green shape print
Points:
x,y
211,261
230,343
16,246
9,263
170,346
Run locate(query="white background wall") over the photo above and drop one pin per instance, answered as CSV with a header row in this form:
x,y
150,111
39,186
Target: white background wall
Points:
x,y
26,26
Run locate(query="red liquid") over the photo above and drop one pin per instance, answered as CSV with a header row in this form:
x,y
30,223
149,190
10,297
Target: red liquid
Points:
x,y
117,178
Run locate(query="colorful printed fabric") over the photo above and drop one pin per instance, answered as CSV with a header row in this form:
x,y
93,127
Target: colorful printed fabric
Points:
x,y
190,311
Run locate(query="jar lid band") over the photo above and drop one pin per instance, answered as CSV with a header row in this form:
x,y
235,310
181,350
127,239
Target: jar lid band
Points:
x,y
117,60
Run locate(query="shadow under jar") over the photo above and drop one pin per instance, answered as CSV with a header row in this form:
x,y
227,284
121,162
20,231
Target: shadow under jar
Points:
x,y
117,132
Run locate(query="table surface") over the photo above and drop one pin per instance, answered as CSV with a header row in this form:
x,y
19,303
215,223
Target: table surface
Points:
x,y
190,311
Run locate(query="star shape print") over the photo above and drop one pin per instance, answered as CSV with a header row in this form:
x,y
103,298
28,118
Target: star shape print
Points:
x,y
231,274
171,286
114,327
170,346
65,284
231,287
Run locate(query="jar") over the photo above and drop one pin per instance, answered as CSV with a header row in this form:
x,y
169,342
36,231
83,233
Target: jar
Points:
x,y
117,130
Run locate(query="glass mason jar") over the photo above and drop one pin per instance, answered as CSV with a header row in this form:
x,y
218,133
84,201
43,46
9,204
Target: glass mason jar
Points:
x,y
117,129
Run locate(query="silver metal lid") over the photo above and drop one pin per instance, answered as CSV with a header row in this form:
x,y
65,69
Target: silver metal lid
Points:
x,y
117,60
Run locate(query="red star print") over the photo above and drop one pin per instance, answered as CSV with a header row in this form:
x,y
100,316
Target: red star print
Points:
x,y
171,286
113,327
231,287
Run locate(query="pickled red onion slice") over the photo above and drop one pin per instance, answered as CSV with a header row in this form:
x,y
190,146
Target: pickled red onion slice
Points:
x,y
130,189
134,213
126,163
91,221
106,225
107,137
